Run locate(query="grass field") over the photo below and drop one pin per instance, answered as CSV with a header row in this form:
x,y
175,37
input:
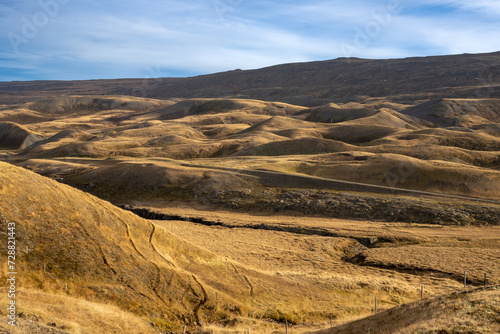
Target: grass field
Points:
x,y
408,257
286,214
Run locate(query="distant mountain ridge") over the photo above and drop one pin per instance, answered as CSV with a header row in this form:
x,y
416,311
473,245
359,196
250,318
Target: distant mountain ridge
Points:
x,y
308,84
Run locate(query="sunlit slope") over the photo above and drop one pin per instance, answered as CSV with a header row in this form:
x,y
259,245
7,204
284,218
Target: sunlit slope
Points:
x,y
393,146
108,255
102,252
474,311
57,313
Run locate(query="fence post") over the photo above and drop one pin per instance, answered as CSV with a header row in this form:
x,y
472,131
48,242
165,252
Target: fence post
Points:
x,y
150,321
465,278
184,330
286,326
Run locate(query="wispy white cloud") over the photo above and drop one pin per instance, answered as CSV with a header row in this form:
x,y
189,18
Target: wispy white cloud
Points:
x,y
485,7
122,38
452,37
442,31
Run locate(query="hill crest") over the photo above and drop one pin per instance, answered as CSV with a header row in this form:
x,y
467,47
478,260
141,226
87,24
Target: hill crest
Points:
x,y
308,84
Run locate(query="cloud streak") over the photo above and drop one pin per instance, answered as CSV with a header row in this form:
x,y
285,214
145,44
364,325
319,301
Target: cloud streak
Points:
x,y
117,39
484,7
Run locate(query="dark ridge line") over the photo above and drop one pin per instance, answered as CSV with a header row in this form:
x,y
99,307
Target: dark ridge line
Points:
x,y
151,215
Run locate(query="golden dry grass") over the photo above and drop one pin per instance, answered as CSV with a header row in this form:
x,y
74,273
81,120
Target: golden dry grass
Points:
x,y
441,249
79,103
474,311
318,261
460,161
148,152
300,278
397,170
71,315
108,255
476,259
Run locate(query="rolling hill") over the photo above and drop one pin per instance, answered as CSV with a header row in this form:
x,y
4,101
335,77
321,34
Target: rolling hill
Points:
x,y
308,84
394,148
103,253
475,311
14,136
458,112
82,252
292,194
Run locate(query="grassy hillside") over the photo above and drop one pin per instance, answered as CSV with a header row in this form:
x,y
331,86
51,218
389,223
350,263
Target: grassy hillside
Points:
x,y
410,152
14,136
76,249
294,194
311,83
42,312
107,255
457,112
473,311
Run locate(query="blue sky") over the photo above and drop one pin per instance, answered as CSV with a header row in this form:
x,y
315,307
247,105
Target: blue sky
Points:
x,y
99,39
